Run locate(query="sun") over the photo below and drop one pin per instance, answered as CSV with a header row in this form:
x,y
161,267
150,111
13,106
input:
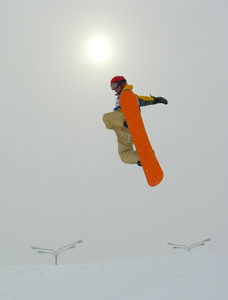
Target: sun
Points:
x,y
99,49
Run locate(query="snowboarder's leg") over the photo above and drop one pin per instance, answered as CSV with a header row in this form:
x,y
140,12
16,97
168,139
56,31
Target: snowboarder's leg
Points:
x,y
114,120
125,146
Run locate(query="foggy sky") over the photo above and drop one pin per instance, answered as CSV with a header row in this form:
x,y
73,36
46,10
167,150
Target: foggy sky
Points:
x,y
61,177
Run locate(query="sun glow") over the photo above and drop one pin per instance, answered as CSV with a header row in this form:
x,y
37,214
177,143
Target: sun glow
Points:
x,y
99,49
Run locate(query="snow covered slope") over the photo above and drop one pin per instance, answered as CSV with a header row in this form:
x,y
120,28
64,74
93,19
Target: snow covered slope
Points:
x,y
183,276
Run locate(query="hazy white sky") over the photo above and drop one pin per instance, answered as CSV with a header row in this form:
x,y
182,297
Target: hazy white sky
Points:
x,y
61,177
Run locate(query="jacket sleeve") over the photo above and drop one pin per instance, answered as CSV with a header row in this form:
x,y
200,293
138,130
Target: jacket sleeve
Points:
x,y
146,100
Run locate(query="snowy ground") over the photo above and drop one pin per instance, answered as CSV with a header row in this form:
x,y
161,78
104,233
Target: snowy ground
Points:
x,y
186,276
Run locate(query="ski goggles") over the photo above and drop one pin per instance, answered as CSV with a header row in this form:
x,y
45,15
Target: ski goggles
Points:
x,y
115,85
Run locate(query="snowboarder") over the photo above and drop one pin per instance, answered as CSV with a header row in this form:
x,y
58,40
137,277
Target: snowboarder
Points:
x,y
115,120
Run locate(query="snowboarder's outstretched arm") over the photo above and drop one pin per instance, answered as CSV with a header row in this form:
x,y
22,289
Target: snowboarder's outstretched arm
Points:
x,y
145,100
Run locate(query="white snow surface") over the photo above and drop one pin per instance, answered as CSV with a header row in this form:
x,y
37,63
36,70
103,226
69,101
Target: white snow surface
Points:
x,y
185,275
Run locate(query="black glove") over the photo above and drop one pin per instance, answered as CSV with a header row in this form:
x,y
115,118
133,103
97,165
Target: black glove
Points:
x,y
160,100
125,124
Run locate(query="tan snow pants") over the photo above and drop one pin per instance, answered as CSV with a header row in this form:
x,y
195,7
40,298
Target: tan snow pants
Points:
x,y
114,120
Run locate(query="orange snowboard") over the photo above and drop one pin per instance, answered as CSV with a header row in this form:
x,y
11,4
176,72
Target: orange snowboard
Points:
x,y
151,167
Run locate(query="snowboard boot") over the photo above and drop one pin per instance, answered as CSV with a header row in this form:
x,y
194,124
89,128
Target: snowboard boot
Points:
x,y
139,163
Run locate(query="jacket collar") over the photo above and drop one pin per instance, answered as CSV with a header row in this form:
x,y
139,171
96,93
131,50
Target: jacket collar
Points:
x,y
128,87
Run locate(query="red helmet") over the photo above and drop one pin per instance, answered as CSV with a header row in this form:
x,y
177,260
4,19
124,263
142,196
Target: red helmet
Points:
x,y
118,80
